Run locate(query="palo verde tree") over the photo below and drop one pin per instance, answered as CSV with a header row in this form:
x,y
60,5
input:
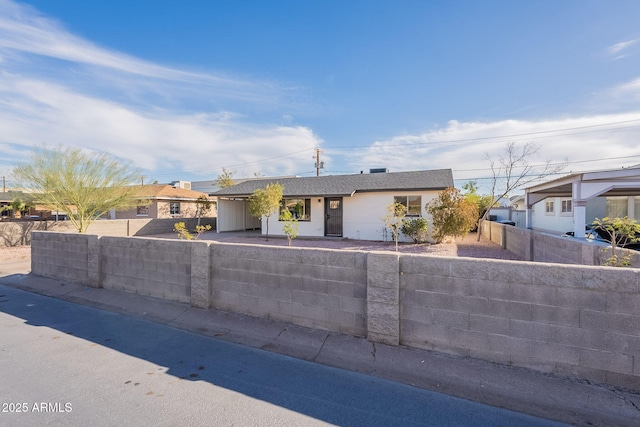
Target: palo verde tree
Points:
x,y
513,169
264,202
620,232
85,185
452,215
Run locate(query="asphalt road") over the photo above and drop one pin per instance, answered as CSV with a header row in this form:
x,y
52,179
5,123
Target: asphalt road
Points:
x,y
68,364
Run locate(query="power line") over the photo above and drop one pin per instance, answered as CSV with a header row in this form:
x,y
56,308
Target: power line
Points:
x,y
528,134
540,134
557,164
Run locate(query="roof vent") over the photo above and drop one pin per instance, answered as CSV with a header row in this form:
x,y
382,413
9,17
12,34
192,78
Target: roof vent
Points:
x,y
378,170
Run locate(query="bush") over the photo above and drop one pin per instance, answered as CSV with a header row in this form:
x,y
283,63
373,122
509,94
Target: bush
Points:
x,y
416,228
452,214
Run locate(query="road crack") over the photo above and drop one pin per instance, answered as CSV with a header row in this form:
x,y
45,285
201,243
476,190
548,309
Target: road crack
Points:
x,y
326,337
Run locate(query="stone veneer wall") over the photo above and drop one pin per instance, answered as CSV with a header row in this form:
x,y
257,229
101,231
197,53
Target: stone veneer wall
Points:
x,y
581,321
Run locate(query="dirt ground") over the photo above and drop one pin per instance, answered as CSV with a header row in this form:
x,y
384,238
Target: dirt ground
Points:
x,y
466,247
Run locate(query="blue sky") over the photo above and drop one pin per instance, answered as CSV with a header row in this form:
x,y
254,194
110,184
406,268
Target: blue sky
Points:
x,y
186,88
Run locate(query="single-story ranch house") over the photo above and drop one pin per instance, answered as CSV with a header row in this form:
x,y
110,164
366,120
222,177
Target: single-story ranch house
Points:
x,y
164,201
350,206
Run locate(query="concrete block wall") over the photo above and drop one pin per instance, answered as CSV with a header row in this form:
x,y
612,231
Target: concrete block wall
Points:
x,y
146,227
16,233
565,250
383,298
518,241
316,288
61,255
497,233
543,247
155,267
580,321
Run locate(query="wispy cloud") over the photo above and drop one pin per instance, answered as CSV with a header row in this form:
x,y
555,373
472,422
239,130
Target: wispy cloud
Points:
x,y
617,50
56,87
586,143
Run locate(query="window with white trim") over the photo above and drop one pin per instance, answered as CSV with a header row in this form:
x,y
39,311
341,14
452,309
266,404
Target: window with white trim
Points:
x,y
566,206
174,208
549,208
300,208
142,211
412,203
617,207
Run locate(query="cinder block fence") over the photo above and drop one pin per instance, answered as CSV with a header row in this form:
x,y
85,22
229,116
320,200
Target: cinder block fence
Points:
x,y
579,321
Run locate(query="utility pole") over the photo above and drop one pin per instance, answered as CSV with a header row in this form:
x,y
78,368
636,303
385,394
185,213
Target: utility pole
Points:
x,y
319,164
4,185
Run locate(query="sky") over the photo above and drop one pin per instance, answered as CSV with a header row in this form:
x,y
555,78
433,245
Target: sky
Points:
x,y
185,89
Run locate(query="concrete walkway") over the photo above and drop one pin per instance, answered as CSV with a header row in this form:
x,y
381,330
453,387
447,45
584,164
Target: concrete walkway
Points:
x,y
517,389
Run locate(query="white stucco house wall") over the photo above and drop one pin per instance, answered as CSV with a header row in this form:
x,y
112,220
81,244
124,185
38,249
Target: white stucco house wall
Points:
x,y
349,206
570,203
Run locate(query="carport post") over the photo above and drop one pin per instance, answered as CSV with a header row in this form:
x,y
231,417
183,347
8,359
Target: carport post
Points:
x,y
579,219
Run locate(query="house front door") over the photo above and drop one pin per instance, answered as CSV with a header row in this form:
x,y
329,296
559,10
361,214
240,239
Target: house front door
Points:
x,y
333,216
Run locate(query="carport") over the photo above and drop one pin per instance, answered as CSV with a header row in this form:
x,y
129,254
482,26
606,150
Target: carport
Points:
x,y
582,187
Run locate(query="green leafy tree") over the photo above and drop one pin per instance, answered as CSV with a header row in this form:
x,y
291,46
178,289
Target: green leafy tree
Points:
x,y
393,219
452,214
620,232
290,226
264,202
84,185
482,201
415,228
17,206
225,179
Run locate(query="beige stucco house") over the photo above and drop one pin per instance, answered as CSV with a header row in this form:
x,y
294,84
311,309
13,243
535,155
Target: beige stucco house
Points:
x,y
164,201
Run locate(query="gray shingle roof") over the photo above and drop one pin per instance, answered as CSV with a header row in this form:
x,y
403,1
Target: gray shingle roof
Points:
x,y
347,185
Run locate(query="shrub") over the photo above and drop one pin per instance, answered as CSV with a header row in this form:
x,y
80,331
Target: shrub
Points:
x,y
452,214
416,228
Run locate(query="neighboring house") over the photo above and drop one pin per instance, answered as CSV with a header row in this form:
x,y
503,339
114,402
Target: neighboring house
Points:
x,y
5,205
350,206
511,209
570,203
165,201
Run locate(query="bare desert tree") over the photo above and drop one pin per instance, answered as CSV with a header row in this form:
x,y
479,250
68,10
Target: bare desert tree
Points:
x,y
85,185
513,169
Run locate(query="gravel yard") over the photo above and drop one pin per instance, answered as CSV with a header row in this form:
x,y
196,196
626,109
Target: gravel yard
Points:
x,y
466,247
14,253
